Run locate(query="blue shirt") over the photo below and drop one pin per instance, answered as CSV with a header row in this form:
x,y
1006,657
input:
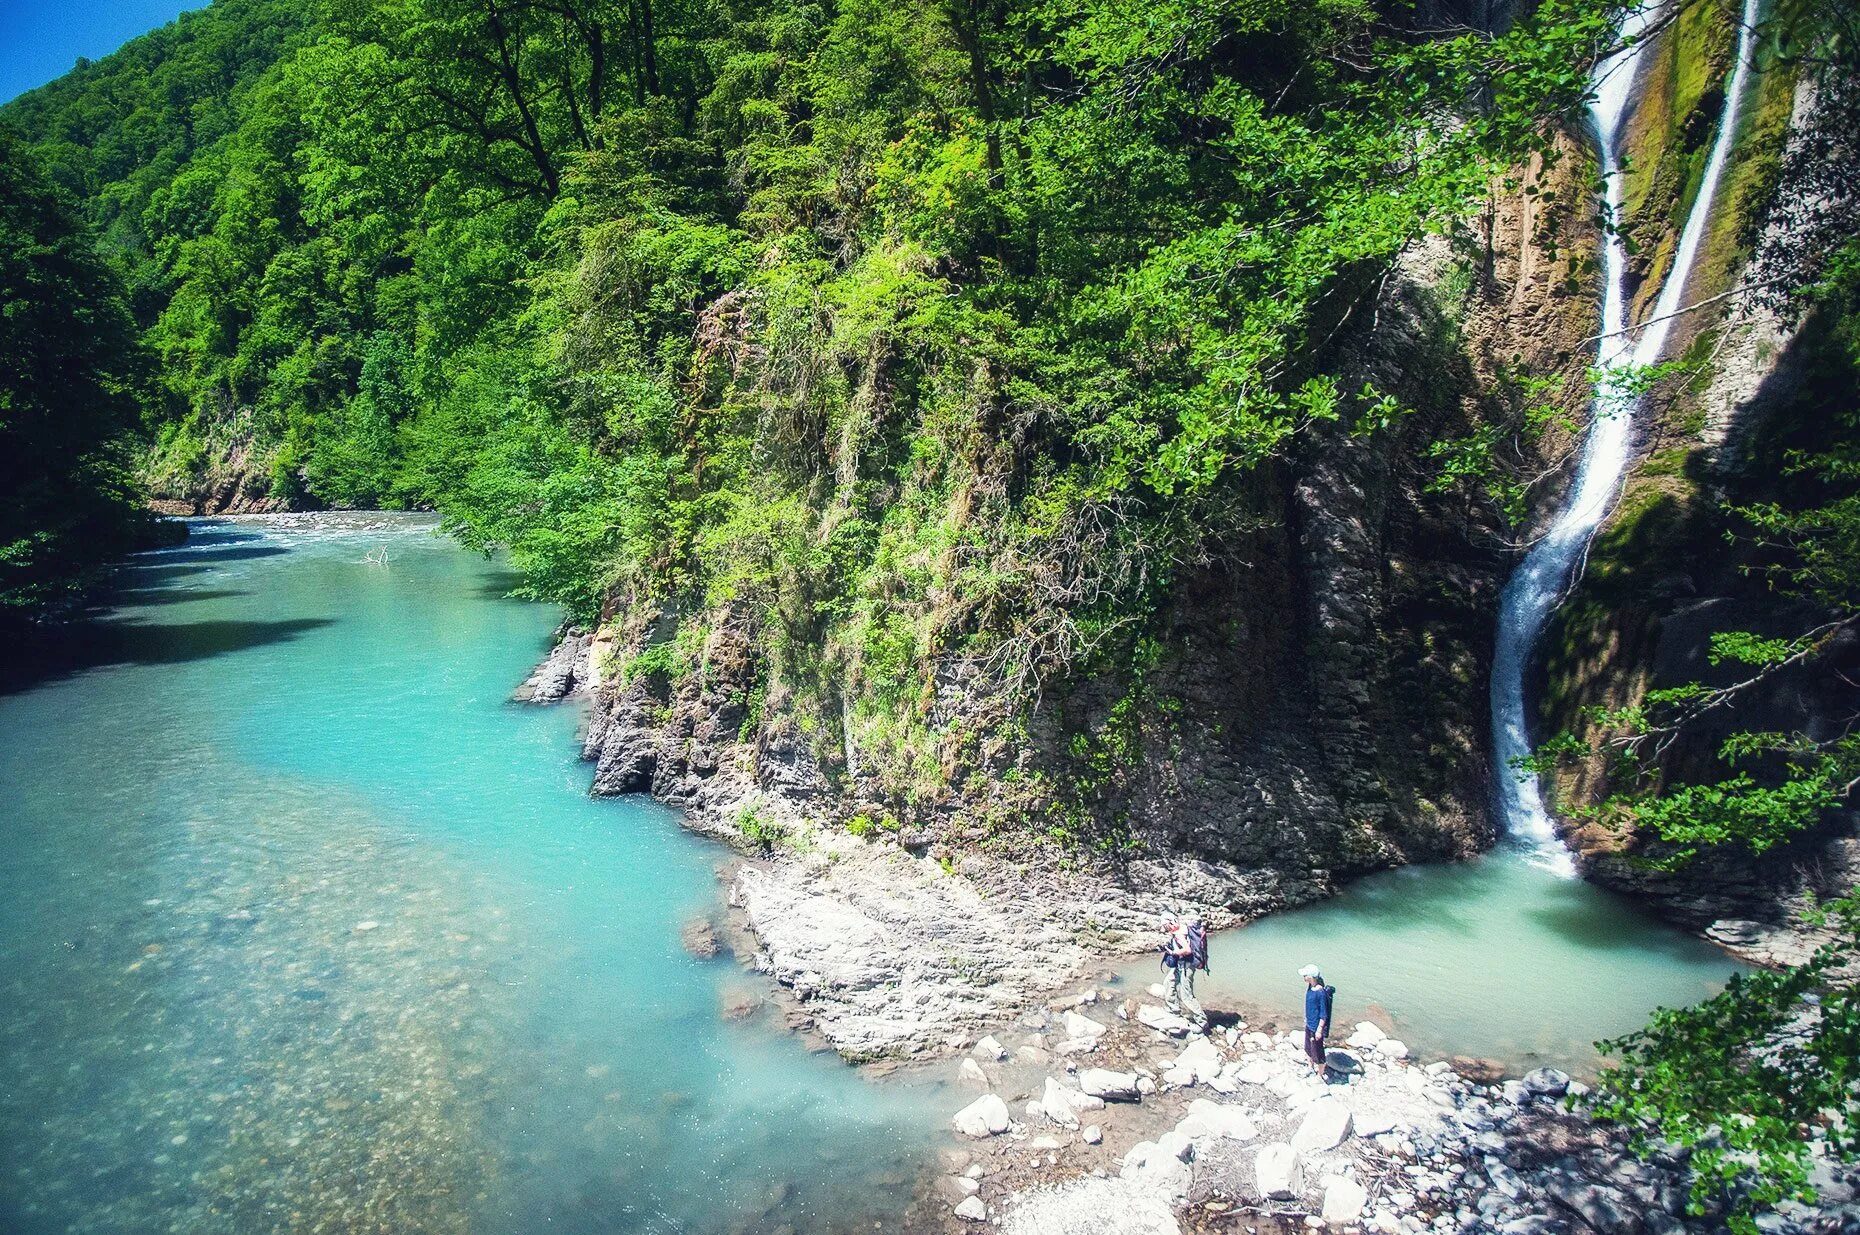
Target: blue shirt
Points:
x,y
1317,1006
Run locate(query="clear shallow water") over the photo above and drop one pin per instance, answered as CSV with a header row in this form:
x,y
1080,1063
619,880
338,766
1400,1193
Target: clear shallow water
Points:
x,y
1498,957
305,927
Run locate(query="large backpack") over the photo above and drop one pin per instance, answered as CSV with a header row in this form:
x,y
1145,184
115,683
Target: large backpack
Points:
x,y
1198,947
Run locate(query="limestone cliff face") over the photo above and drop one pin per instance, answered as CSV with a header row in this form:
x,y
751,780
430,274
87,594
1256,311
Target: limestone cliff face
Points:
x,y
1317,709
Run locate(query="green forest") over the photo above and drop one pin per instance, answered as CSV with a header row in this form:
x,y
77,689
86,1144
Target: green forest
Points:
x,y
904,328
805,302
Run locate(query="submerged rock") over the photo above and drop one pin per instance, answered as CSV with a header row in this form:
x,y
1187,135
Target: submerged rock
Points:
x,y
700,938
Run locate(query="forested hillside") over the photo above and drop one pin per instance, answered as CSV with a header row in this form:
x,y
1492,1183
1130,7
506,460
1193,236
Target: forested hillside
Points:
x,y
494,256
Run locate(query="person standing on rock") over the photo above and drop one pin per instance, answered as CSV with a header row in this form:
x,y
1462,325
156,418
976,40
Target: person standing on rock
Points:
x,y
1317,1019
1184,951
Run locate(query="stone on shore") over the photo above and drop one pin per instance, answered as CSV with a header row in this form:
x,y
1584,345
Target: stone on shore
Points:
x,y
1162,1163
989,1048
1201,1059
985,1117
1279,1173
1056,1101
1086,1206
1092,1135
1206,1118
1546,1082
1081,1028
1163,1020
1365,1036
972,1210
1325,1126
1111,1086
1343,1200
970,1073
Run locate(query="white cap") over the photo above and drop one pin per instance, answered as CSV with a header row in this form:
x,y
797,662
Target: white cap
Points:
x,y
1310,971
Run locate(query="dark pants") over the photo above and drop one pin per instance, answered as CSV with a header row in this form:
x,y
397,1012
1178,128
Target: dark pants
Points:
x,y
1314,1047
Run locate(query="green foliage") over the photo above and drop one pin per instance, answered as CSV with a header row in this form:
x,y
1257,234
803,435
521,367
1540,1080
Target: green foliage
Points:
x,y
884,324
1743,1077
863,824
760,829
73,387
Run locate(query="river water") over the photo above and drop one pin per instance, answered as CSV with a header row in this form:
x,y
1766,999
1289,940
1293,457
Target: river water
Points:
x,y
307,928
1499,958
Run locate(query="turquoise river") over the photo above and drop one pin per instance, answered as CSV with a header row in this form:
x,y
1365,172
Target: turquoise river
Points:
x,y
306,927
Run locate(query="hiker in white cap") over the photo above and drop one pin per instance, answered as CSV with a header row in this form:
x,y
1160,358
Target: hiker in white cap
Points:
x,y
1184,950
1317,1018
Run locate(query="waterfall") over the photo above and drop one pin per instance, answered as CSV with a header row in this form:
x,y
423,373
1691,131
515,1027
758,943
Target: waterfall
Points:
x,y
1538,585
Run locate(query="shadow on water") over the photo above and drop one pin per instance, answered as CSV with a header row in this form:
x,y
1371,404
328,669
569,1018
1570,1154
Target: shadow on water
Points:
x,y
1575,918
498,584
144,596
72,649
211,554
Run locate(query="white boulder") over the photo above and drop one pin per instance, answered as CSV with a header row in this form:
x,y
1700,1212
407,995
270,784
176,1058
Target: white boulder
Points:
x,y
1325,1125
1279,1173
1207,1118
972,1210
1162,1020
1365,1036
1392,1048
989,1048
970,1073
1111,1086
1202,1058
1057,1104
1081,1027
1343,1200
985,1117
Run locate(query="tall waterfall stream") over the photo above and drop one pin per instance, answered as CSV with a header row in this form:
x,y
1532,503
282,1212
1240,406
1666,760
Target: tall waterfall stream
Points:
x,y
1540,582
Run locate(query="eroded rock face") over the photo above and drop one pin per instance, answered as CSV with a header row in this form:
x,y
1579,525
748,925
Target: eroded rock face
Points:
x,y
564,673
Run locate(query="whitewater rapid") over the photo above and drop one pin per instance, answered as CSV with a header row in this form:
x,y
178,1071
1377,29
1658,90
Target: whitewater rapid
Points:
x,y
1541,580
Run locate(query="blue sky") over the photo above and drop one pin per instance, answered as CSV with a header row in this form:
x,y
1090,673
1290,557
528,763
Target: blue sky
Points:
x,y
42,39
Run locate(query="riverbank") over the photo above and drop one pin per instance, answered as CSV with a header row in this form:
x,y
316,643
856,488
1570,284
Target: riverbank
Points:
x,y
1092,1102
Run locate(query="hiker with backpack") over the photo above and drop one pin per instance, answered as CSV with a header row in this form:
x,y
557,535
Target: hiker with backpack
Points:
x,y
1318,998
1184,953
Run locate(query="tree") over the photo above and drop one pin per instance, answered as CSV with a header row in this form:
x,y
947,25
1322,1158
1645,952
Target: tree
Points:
x,y
72,389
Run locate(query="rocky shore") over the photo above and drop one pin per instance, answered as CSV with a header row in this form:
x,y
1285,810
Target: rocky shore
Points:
x,y
1109,1115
